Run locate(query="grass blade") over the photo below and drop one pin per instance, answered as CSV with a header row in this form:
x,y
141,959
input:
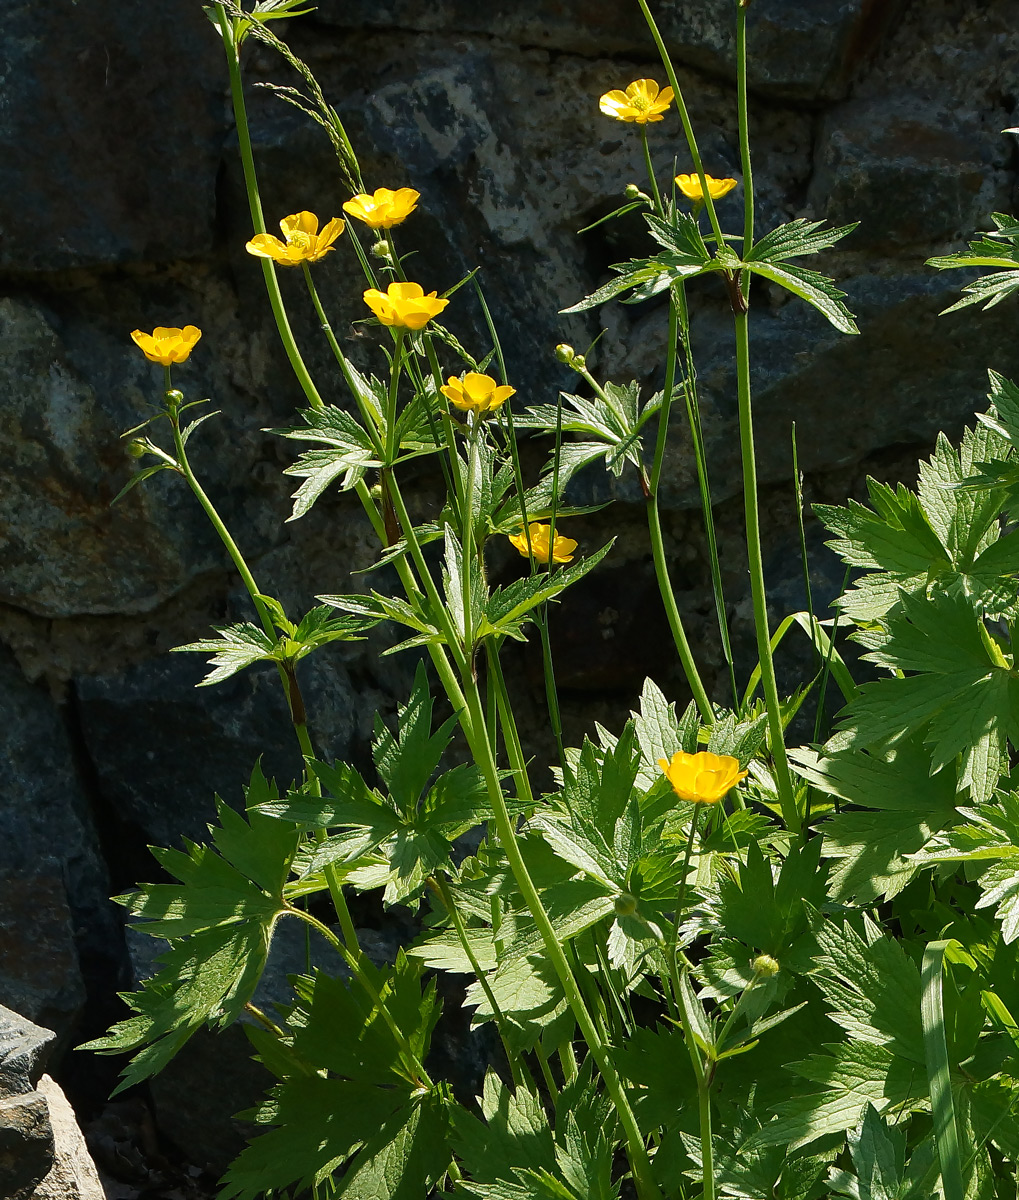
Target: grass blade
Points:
x,y
932,1016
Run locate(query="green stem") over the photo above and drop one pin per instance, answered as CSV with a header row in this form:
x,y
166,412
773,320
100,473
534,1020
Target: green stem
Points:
x,y
744,127
287,678
707,1150
438,609
255,205
684,116
367,417
693,416
467,538
673,614
356,966
783,777
442,887
659,207
665,587
447,422
394,386
474,728
514,749
681,907
224,534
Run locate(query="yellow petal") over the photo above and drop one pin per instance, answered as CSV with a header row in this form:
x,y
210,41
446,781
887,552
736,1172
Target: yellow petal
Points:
x,y
302,222
358,207
478,387
614,104
333,228
645,88
406,291
264,245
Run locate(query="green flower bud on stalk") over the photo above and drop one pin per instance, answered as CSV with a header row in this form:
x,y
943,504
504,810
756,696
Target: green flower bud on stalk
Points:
x,y
625,905
569,357
765,966
137,448
383,250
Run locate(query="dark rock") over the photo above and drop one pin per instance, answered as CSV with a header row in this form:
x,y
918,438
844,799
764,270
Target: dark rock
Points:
x,y
801,50
54,879
26,1144
74,382
24,1049
163,748
909,375
912,172
214,1077
109,134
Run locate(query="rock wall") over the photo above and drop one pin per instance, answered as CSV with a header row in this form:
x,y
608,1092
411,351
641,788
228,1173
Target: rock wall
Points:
x,y
121,205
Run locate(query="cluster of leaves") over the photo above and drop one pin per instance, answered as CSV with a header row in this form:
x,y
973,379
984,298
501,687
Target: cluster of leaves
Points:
x,y
845,1000
685,255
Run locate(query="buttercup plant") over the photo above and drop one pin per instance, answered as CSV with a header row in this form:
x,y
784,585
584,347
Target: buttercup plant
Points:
x,y
640,934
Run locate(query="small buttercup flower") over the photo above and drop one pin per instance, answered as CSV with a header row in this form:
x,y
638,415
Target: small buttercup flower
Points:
x,y
476,393
690,186
303,244
641,103
167,346
404,305
704,777
384,208
562,548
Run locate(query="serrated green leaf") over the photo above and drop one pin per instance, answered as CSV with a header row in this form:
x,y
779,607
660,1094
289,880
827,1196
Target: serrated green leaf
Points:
x,y
818,291
796,238
219,920
854,1075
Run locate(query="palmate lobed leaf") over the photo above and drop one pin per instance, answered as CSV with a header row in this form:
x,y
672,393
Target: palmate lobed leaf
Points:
x,y
219,920
797,238
818,291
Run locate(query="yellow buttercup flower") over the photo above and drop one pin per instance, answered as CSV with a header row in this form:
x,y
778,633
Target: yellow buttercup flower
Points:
x,y
167,346
476,393
562,548
704,777
404,305
384,208
690,186
303,242
641,103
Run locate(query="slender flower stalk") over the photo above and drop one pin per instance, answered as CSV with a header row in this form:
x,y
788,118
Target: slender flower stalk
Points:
x,y
474,729
367,418
684,116
356,966
783,777
449,903
651,486
255,205
649,163
288,678
703,483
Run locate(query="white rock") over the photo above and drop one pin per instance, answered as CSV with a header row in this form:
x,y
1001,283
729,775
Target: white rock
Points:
x,y
73,1175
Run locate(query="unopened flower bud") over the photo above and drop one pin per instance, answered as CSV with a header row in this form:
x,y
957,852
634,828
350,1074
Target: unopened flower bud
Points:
x,y
137,448
633,192
382,249
375,491
568,356
765,965
625,905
